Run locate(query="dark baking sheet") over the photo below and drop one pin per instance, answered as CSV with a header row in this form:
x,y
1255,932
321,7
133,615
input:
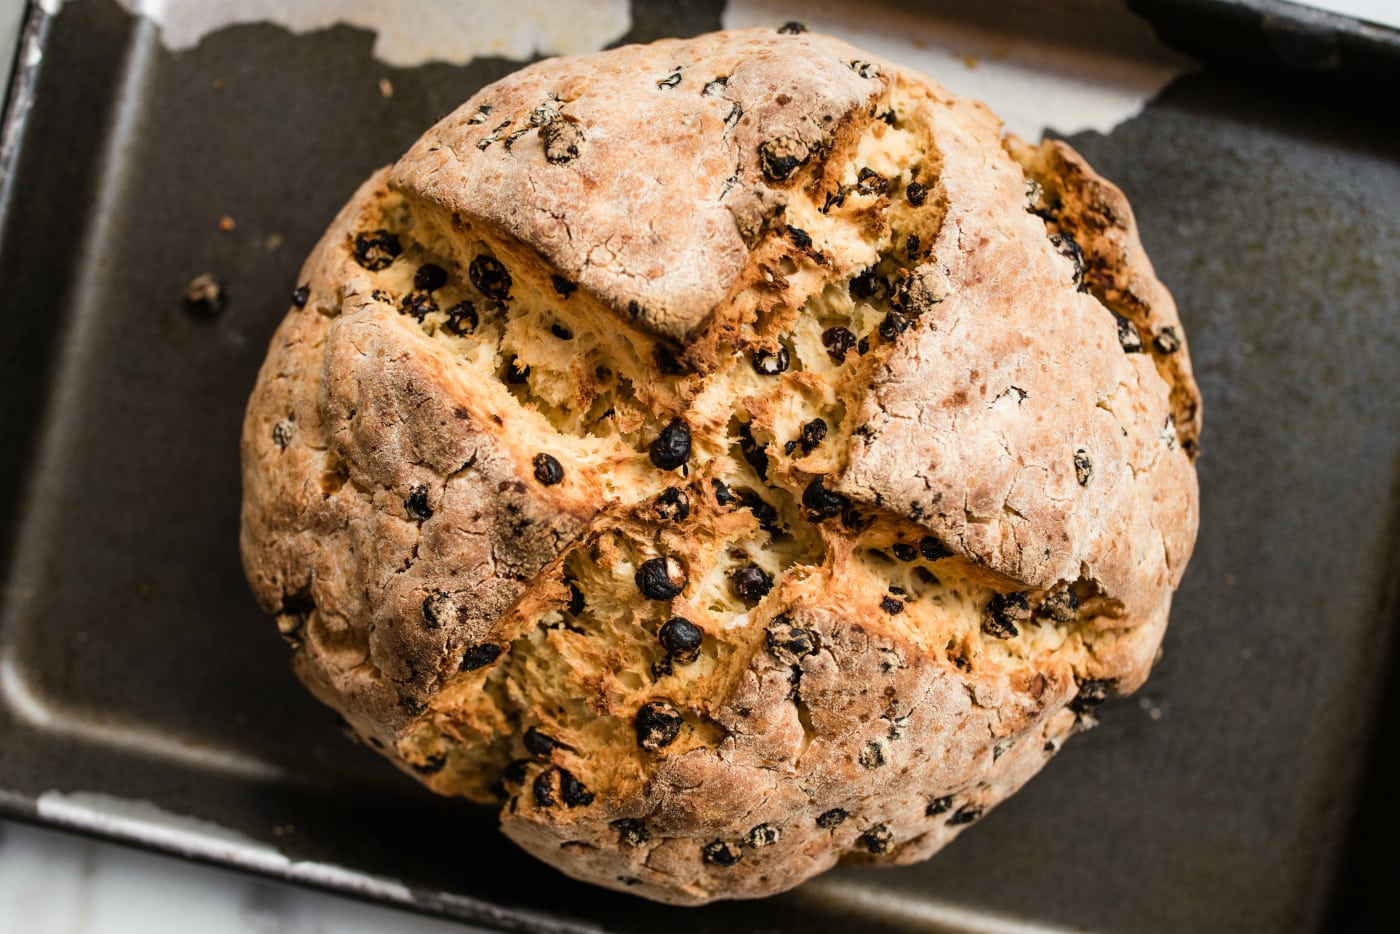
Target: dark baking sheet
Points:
x,y
134,664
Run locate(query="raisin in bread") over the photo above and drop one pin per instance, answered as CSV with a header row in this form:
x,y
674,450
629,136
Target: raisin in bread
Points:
x,y
729,456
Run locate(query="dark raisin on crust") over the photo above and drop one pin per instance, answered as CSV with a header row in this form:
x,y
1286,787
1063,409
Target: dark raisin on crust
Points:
x,y
438,608
1128,337
562,285
916,193
479,655
630,831
781,157
1060,605
490,277
892,605
416,505
750,583
563,140
377,249
1083,467
282,433
681,639
548,470
789,644
822,503
430,277
872,755
1092,693
670,81
832,818
1066,246
461,318
837,340
657,724
771,364
939,806
893,325
719,853
661,578
573,791
965,815
791,28
763,835
671,448
877,839
1003,614
933,550
301,295
1166,341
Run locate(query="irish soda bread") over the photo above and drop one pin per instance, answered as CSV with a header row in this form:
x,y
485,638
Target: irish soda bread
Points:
x,y
729,456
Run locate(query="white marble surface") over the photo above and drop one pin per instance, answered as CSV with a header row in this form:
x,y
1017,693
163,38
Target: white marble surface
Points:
x,y
53,882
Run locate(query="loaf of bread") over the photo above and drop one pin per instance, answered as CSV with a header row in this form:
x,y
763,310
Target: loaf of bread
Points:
x,y
728,456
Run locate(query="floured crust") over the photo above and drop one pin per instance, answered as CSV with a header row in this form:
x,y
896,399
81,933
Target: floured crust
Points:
x,y
818,381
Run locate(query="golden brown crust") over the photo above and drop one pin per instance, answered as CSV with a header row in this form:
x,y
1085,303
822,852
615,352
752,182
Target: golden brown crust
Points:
x,y
726,500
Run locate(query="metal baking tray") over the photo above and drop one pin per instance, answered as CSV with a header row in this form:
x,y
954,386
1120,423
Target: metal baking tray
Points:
x,y
144,697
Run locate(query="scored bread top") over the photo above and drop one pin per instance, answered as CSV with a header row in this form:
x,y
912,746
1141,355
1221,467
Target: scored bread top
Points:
x,y
754,332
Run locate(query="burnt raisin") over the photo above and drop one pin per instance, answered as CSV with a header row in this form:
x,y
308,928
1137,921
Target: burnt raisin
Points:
x,y
781,157
832,818
548,470
1083,467
657,724
791,28
516,373
763,835
1066,246
301,295
630,831
822,503
893,325
771,364
375,250
418,304
671,448
479,655
660,578
282,433
892,605
1003,613
720,853
430,277
916,193
1166,341
490,277
965,815
681,639
1092,693
538,743
563,286
1128,337
866,285
877,839
673,505
904,551
872,755
561,332
750,583
933,550
800,238
438,609
417,504
789,644
939,806
1062,605
461,318
837,341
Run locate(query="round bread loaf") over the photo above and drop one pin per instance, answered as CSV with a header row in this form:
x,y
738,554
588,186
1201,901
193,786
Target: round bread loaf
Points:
x,y
730,456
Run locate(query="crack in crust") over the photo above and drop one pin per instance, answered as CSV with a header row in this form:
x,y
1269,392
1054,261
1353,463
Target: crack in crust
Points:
x,y
706,451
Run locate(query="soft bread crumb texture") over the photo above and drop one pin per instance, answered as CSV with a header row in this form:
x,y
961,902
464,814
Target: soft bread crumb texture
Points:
x,y
729,456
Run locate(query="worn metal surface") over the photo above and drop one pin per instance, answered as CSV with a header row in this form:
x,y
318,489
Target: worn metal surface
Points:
x,y
134,663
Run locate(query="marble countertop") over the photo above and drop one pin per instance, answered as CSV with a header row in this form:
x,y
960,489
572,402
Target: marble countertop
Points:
x,y
53,882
